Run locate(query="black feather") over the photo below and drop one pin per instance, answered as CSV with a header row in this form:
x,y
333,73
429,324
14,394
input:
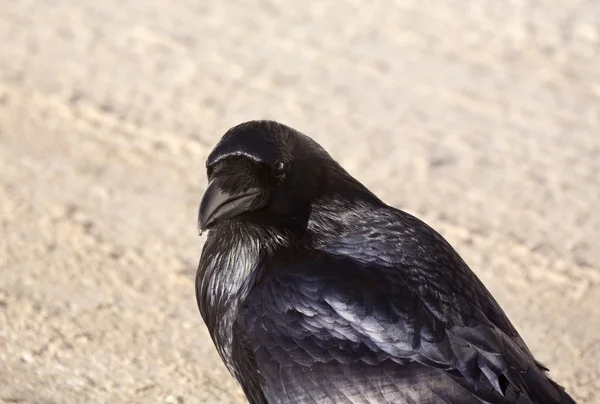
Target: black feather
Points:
x,y
321,293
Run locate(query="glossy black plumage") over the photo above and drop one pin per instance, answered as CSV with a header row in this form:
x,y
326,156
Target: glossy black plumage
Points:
x,y
315,291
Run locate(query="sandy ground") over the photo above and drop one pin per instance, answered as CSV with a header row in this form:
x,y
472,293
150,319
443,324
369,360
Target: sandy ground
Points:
x,y
483,118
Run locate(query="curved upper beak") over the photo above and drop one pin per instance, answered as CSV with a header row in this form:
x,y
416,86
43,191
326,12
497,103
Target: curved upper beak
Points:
x,y
218,205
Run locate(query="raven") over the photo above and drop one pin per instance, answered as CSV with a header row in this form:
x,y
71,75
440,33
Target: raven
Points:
x,y
315,291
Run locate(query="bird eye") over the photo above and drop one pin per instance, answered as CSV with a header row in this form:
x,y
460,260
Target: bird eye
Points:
x,y
278,168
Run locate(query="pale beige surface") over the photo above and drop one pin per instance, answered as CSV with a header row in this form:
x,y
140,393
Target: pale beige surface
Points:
x,y
483,118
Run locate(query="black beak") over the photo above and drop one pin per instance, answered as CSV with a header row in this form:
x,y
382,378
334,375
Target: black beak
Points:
x,y
218,205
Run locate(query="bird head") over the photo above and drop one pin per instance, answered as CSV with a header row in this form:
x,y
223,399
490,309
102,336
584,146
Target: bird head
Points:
x,y
268,173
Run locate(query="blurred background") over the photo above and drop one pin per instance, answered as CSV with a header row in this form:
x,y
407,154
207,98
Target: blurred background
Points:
x,y
480,117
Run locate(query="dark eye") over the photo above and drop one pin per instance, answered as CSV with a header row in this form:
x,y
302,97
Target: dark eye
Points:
x,y
278,168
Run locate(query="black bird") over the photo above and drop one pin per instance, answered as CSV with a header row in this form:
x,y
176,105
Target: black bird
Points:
x,y
315,291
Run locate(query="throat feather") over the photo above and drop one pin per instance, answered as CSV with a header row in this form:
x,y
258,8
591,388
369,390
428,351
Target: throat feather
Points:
x,y
227,279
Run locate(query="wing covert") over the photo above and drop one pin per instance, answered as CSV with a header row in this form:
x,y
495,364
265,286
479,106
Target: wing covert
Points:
x,y
322,316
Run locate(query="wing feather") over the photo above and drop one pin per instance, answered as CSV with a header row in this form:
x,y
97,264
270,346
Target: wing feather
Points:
x,y
325,329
